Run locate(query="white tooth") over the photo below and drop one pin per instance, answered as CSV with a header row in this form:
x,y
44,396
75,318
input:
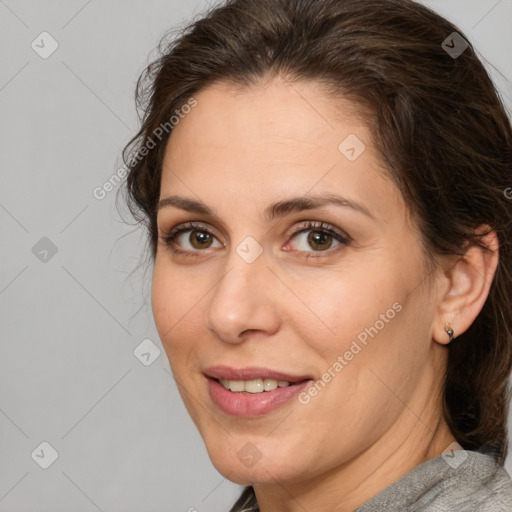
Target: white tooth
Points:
x,y
269,384
236,385
254,386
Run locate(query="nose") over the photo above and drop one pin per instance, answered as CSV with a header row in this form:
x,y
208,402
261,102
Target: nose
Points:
x,y
243,300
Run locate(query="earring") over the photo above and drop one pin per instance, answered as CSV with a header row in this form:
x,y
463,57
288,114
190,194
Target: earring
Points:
x,y
450,332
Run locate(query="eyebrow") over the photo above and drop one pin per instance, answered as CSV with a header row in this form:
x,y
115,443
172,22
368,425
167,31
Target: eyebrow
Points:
x,y
279,209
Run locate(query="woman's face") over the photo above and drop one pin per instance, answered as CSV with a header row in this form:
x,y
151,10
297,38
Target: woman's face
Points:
x,y
278,284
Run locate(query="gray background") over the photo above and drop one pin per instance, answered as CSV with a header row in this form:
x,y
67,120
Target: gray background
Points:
x,y
70,321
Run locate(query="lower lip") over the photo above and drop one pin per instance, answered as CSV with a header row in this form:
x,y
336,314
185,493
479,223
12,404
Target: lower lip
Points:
x,y
252,405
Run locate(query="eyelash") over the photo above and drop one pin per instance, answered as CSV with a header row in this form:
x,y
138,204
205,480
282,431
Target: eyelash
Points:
x,y
320,227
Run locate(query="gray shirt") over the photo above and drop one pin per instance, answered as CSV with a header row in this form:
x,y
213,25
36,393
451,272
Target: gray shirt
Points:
x,y
462,481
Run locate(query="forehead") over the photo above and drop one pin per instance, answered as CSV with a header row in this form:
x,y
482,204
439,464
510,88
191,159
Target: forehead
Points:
x,y
258,144
275,112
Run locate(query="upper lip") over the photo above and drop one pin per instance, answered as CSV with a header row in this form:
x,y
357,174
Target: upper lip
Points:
x,y
251,373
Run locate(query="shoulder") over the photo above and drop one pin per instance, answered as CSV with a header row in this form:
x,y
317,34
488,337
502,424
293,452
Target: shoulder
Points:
x,y
470,482
478,484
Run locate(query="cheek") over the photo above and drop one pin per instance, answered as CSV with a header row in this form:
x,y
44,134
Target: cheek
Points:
x,y
381,341
172,303
337,308
163,299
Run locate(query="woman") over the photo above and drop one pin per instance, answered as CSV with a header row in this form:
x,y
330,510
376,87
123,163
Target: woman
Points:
x,y
324,184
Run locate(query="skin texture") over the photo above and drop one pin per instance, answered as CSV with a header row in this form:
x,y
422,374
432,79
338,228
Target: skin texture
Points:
x,y
238,151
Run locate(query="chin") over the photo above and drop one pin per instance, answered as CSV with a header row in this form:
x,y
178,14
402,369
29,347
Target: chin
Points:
x,y
247,465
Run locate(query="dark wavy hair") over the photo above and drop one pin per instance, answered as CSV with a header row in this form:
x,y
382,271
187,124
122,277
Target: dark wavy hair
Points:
x,y
435,119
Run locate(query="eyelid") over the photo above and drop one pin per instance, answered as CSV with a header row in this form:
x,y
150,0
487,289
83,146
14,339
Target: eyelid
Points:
x,y
173,233
311,225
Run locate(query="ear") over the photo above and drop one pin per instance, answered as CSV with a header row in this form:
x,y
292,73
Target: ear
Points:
x,y
464,286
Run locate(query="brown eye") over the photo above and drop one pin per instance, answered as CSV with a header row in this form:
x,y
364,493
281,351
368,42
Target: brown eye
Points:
x,y
320,238
200,239
190,238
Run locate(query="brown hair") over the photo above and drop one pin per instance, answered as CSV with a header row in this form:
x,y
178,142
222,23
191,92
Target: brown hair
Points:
x,y
435,118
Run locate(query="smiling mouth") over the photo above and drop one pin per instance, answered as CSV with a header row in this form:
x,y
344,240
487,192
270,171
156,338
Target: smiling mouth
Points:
x,y
252,391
